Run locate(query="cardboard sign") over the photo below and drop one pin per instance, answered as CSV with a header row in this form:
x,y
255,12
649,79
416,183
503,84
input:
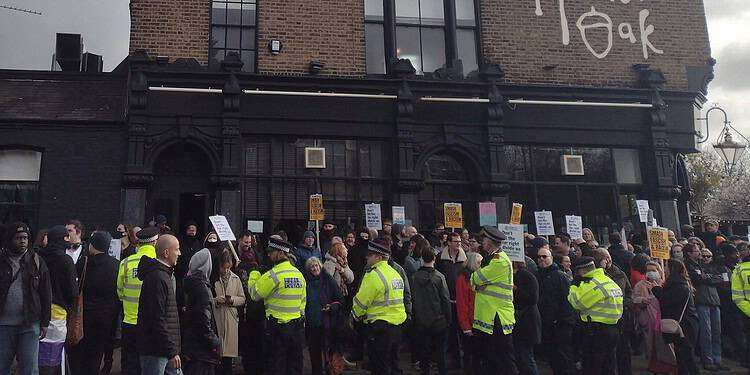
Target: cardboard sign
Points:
x,y
513,244
373,216
515,213
255,226
544,224
399,215
453,214
115,249
316,207
487,213
642,210
658,241
574,225
222,228
623,238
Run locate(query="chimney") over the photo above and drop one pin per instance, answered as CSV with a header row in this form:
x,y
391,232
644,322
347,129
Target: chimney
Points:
x,y
69,52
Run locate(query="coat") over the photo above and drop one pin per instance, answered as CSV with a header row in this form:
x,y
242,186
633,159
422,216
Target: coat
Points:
x,y
528,328
464,302
342,275
158,329
451,268
322,291
37,291
227,316
200,340
553,305
430,300
705,282
63,274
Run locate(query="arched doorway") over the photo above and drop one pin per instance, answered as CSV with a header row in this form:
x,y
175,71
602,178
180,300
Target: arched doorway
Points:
x,y
447,180
181,189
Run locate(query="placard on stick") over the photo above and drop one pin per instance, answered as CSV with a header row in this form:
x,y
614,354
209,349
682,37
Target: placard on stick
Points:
x,y
658,241
515,213
574,225
222,228
373,216
544,224
513,244
643,208
487,213
453,215
316,207
399,215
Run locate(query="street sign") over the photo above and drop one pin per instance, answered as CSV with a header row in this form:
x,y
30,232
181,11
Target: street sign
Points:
x,y
316,207
453,215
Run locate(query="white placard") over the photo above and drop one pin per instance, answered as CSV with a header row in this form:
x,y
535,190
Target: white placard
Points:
x,y
642,210
399,215
513,244
373,216
748,232
255,226
574,224
115,249
222,228
544,224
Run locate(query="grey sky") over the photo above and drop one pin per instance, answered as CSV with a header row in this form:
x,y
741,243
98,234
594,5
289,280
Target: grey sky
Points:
x,y
27,41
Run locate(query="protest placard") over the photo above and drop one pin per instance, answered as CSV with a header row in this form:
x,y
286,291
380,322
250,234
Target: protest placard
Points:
x,y
574,225
222,228
115,249
513,244
658,240
255,226
544,224
487,213
642,210
399,215
316,207
515,213
373,216
453,215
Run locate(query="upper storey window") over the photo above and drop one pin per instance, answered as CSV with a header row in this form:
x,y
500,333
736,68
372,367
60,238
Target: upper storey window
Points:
x,y
233,27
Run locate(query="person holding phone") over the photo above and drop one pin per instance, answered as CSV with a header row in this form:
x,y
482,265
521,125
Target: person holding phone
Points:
x,y
229,297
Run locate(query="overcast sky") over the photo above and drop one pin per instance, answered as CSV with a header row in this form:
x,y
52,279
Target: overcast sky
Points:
x,y
27,42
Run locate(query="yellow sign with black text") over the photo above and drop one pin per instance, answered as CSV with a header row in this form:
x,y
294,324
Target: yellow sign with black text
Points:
x,y
316,207
453,215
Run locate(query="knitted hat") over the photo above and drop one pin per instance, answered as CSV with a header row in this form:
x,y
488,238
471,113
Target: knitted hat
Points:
x,y
101,240
378,246
308,234
148,234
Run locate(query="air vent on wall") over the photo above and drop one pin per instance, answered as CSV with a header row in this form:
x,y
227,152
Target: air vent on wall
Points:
x,y
315,157
572,165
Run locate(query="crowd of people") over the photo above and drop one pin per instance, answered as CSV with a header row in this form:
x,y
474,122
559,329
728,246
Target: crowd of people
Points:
x,y
182,302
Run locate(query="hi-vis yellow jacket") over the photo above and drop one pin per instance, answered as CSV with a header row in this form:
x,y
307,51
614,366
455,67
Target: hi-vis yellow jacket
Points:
x,y
741,287
282,289
598,299
494,286
129,285
381,296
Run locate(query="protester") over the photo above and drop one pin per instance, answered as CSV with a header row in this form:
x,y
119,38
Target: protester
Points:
x,y
200,340
564,264
64,288
306,250
326,235
161,224
252,319
450,263
733,340
337,266
129,243
324,301
648,319
433,312
100,305
676,252
621,256
215,247
527,332
465,297
638,268
158,329
230,297
707,304
710,235
25,301
557,316
350,240
40,241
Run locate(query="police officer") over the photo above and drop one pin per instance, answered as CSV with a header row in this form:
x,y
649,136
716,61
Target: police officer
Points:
x,y
380,304
283,292
494,315
129,292
598,299
741,296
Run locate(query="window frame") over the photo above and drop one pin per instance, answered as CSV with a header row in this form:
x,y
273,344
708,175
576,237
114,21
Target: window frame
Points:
x,y
34,207
226,26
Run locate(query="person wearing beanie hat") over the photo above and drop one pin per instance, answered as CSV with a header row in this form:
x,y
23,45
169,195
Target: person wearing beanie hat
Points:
x,y
306,250
284,294
200,340
100,304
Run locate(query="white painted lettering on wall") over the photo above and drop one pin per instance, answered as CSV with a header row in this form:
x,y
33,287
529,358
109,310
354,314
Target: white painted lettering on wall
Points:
x,y
595,20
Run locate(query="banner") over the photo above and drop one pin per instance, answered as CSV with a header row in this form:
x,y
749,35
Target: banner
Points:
x,y
642,210
316,207
255,226
658,240
513,244
454,217
487,214
115,249
222,228
515,213
574,226
544,224
399,215
373,216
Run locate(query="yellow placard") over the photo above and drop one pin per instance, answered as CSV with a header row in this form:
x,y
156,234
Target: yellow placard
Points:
x,y
453,216
658,241
316,207
515,214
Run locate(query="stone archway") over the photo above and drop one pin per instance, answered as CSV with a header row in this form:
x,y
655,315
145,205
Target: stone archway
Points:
x,y
447,179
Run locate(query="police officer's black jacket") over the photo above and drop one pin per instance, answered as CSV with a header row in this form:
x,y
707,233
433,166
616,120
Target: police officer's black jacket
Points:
x,y
200,341
158,329
553,297
37,292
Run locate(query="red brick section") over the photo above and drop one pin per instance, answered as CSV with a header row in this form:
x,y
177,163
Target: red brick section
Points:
x,y
524,43
174,28
331,31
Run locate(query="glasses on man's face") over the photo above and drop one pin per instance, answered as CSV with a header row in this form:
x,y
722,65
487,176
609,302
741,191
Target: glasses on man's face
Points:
x,y
542,256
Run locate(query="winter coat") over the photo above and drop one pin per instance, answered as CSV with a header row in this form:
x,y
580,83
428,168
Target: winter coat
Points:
x,y
411,265
357,262
705,283
200,342
227,316
100,285
528,328
63,274
672,297
431,304
158,329
342,275
464,301
37,290
553,305
451,268
303,253
621,257
322,291
623,282
407,286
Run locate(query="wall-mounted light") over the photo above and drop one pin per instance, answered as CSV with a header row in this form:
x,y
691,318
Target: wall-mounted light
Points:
x,y
274,46
316,66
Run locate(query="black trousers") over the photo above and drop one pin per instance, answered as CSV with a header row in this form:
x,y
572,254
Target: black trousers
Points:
x,y
253,349
684,346
316,343
382,341
599,347
225,366
287,341
624,352
496,353
431,346
86,357
560,349
131,364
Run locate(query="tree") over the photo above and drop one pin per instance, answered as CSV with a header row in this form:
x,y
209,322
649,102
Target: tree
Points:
x,y
717,195
705,172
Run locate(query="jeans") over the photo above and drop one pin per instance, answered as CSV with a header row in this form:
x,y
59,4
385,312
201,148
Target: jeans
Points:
x,y
525,358
151,365
709,334
21,342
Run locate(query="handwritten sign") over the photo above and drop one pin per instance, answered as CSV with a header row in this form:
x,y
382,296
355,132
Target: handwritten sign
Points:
x,y
316,207
574,225
487,213
515,213
658,241
115,249
222,228
544,224
513,244
255,226
399,215
642,210
373,216
748,232
453,215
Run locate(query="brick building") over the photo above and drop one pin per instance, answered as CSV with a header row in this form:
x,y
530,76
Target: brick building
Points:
x,y
416,102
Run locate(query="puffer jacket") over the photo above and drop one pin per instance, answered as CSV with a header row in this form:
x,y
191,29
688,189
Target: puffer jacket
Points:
x,y
158,330
430,300
200,341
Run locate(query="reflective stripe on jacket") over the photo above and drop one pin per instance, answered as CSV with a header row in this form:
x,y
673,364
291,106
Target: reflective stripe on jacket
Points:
x,y
598,299
282,289
494,295
129,285
381,296
741,287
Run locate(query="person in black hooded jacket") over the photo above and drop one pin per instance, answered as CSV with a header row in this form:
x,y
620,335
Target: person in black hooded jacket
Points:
x,y
200,341
528,329
557,315
432,313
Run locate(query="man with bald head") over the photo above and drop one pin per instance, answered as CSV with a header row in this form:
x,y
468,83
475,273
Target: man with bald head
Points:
x,y
158,335
557,314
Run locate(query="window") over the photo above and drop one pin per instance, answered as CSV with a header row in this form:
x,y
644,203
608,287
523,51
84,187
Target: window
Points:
x,y
233,24
19,186
421,31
